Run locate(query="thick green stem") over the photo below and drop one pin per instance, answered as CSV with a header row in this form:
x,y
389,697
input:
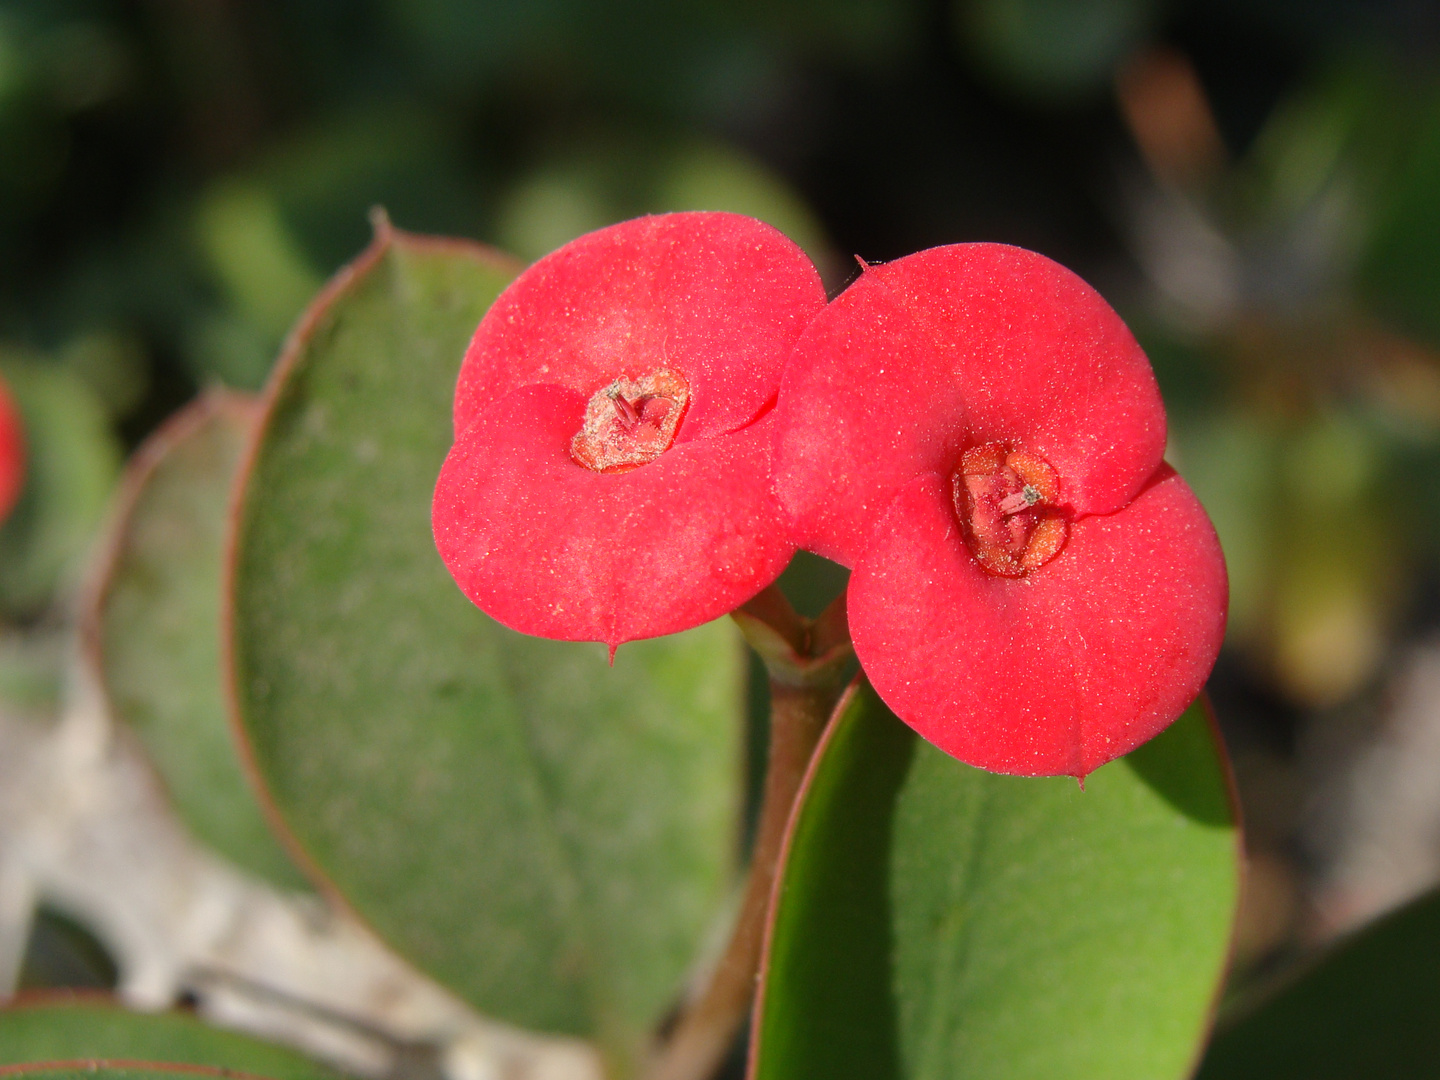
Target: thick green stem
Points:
x,y
803,690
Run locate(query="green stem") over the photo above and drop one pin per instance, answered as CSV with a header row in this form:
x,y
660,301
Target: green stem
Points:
x,y
807,661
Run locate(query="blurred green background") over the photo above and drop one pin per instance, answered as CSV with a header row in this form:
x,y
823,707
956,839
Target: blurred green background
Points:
x,y
1256,186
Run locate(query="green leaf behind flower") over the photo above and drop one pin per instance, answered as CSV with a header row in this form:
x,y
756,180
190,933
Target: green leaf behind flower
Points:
x,y
153,626
547,836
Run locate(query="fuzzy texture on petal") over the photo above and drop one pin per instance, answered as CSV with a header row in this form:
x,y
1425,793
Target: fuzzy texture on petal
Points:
x,y
12,453
949,348
1054,673
718,297
550,548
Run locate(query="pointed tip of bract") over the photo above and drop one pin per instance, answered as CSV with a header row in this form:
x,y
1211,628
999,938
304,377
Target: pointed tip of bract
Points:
x,y
612,646
1081,781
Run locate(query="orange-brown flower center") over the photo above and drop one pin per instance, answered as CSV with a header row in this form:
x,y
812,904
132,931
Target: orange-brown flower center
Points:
x,y
1006,502
631,422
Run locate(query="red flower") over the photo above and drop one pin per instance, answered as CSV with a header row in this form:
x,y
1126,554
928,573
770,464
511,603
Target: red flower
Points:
x,y
12,453
978,435
610,478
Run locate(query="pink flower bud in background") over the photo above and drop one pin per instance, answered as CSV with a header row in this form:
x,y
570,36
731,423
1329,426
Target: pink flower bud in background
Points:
x,y
12,453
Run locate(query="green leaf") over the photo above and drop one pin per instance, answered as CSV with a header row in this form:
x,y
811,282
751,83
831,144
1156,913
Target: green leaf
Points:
x,y
1055,51
1399,266
546,835
936,921
54,1029
71,463
153,626
119,1070
1365,1009
614,175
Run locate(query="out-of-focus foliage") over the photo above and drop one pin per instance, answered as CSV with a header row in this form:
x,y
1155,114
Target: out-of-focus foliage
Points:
x,y
589,186
71,461
1307,435
95,1028
185,180
153,622
1053,50
1367,1009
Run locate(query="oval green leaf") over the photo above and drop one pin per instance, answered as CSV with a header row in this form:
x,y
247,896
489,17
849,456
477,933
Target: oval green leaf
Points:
x,y
152,625
936,921
546,835
1367,1007
54,1029
106,1069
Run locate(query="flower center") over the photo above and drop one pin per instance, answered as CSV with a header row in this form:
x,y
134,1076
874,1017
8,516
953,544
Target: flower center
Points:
x,y
1006,502
631,422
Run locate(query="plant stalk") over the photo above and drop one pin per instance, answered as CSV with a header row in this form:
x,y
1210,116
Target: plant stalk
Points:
x,y
803,690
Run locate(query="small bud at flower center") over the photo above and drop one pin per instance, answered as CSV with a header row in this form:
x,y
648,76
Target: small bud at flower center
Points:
x,y
1006,503
631,422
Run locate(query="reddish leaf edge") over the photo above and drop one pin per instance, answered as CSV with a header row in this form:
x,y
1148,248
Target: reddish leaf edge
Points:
x,y
386,237
61,996
762,975
89,998
174,432
1237,828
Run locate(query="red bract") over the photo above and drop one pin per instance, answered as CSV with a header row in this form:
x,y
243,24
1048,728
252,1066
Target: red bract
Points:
x,y
610,478
978,435
12,453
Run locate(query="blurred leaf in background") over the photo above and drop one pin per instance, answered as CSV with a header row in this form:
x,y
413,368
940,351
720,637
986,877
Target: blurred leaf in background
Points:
x,y
74,1028
1400,268
72,462
264,275
1289,290
268,239
94,1027
153,625
588,186
1057,51
1287,440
